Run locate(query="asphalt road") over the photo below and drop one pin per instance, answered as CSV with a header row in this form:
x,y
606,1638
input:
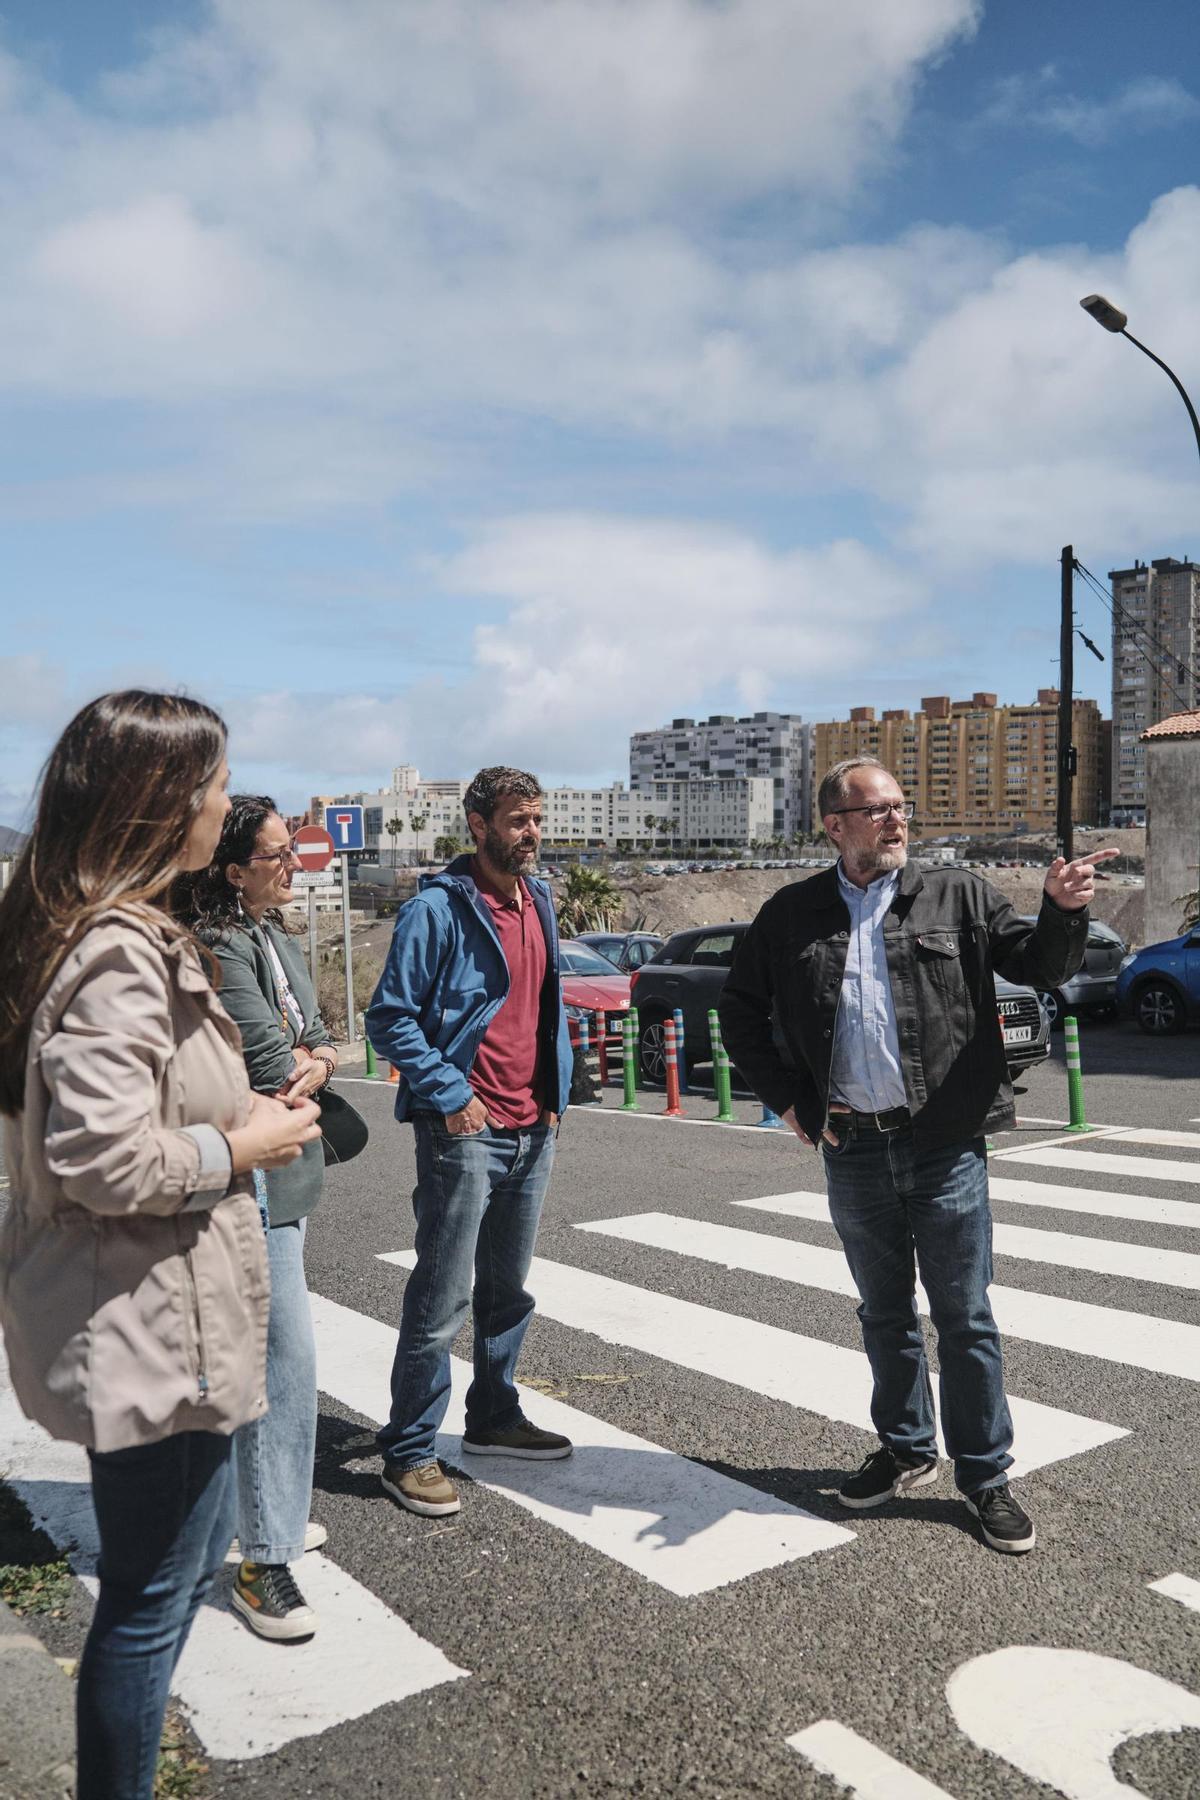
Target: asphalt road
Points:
x,y
718,1601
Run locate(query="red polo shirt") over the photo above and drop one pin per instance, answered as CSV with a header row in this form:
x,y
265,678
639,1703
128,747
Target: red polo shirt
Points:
x,y
506,1076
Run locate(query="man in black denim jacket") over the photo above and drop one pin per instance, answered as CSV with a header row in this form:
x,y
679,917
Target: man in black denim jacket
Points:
x,y
880,978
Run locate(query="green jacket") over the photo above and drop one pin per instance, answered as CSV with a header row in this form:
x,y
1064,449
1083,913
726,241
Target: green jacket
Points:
x,y
252,999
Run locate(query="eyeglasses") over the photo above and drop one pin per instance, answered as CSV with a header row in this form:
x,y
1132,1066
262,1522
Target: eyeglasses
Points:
x,y
280,857
903,809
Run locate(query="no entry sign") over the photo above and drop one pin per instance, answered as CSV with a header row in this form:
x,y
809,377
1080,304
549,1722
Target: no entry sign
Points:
x,y
314,847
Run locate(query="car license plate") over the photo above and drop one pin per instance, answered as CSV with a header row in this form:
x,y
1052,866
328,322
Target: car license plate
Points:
x,y
1018,1034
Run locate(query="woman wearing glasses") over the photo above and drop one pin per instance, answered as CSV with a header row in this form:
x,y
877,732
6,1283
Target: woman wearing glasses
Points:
x,y
233,907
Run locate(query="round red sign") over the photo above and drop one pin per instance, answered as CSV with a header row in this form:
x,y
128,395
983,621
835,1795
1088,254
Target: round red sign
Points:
x,y
314,847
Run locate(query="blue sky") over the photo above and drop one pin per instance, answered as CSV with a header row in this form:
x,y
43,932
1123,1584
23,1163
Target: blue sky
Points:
x,y
475,383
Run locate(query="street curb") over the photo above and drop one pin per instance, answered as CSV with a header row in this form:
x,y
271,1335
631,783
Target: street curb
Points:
x,y
37,1752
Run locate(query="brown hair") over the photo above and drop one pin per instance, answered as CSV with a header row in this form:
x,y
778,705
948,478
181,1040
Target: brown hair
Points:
x,y
834,787
119,793
491,786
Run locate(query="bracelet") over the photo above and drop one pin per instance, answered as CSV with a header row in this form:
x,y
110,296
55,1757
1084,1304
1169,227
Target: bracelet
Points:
x,y
330,1067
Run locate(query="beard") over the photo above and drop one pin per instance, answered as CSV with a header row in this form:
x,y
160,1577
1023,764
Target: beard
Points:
x,y
510,859
877,859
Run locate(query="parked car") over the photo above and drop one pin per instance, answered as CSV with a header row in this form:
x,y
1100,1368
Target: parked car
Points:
x,y
691,968
1159,986
1093,988
626,949
592,986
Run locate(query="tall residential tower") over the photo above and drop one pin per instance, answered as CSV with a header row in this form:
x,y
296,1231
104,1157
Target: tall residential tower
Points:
x,y
1156,642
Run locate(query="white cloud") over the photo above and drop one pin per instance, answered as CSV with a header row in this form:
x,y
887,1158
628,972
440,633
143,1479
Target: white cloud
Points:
x,y
1037,102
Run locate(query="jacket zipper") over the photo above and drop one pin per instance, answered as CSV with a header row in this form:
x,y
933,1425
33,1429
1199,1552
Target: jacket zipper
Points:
x,y
193,1290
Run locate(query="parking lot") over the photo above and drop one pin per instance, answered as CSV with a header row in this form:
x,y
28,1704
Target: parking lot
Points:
x,y
683,1607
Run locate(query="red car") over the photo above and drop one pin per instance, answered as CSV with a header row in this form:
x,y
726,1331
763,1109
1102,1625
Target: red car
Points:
x,y
591,985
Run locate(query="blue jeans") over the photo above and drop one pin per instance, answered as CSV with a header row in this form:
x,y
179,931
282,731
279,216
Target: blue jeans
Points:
x,y
165,1513
273,1455
888,1200
477,1202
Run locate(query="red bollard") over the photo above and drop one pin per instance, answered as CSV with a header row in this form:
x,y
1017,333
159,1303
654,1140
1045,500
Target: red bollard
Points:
x,y
674,1110
602,1046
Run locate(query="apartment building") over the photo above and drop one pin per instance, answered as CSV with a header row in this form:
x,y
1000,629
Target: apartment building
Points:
x,y
403,823
972,765
777,746
1155,651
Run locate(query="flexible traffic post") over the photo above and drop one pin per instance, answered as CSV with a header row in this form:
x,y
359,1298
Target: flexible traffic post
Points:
x,y
602,1048
724,1087
372,1065
770,1121
629,1104
674,1110
393,1073
637,1045
680,1050
1074,1075
714,1038
585,1036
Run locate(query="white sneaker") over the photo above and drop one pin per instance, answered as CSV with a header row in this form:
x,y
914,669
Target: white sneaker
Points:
x,y
315,1538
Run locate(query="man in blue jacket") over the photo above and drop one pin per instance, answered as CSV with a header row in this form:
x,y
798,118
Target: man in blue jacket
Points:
x,y
469,1011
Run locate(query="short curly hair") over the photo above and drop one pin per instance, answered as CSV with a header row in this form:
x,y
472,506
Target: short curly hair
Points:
x,y
491,786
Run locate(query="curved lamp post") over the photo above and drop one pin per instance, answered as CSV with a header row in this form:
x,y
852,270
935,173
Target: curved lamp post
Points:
x,y
1113,319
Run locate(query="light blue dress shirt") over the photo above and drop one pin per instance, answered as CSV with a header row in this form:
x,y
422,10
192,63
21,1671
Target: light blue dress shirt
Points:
x,y
865,1072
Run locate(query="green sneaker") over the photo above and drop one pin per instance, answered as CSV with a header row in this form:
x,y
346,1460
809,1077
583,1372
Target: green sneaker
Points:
x,y
266,1596
519,1439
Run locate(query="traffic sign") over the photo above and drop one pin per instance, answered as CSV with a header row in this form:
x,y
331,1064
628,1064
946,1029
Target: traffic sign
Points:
x,y
313,848
317,879
345,826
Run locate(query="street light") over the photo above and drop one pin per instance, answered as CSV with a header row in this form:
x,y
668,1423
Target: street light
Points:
x,y
1113,319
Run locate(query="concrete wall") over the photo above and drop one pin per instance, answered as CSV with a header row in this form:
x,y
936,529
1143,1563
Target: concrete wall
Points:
x,y
1172,832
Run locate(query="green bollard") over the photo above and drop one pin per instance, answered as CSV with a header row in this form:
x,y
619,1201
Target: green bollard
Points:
x,y
629,1104
372,1065
724,1087
636,1023
714,1038
1074,1075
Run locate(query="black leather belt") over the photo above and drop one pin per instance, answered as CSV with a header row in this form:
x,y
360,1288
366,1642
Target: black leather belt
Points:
x,y
894,1120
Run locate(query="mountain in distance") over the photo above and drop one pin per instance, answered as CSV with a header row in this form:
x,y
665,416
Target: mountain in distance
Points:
x,y
12,842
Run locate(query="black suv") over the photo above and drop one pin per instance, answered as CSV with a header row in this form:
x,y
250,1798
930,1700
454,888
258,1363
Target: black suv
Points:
x,y
691,969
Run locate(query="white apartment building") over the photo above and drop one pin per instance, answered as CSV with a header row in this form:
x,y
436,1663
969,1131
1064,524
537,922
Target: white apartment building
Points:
x,y
771,745
676,814
1155,651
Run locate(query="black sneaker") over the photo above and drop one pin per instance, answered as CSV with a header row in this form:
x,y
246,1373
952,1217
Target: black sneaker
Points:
x,y
268,1599
1004,1523
882,1477
518,1439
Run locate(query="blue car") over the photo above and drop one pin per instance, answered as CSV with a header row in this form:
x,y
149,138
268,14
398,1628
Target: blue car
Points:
x,y
1160,985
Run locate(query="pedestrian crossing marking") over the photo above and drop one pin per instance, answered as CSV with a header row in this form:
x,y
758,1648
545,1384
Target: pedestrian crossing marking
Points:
x,y
857,1764
1104,1162
808,1373
1100,1202
1150,1134
1181,1588
244,1698
684,1527
1135,1340
1062,1249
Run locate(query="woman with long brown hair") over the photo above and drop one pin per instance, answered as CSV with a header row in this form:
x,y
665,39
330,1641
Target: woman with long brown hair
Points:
x,y
133,1280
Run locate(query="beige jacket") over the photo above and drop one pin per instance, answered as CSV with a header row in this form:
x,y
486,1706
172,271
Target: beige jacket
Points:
x,y
133,1273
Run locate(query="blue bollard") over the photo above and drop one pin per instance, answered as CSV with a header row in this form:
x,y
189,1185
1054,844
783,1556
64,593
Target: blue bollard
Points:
x,y
770,1121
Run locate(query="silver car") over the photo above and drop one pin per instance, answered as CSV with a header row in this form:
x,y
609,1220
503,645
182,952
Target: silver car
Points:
x,y
1093,989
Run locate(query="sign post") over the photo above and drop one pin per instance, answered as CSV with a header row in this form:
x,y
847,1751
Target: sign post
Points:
x,y
344,826
314,852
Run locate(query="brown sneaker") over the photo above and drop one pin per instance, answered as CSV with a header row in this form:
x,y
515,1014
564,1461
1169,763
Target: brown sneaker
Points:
x,y
518,1439
425,1489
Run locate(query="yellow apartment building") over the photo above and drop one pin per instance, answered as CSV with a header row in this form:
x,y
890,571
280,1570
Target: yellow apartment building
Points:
x,y
971,765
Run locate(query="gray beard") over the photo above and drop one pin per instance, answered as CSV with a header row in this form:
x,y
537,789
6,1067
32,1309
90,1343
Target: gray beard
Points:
x,y
509,860
878,861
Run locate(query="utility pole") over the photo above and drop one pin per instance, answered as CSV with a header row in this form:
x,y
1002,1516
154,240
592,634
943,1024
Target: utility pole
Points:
x,y
1066,685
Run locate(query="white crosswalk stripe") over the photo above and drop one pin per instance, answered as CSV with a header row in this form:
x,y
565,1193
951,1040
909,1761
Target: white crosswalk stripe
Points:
x,y
1062,1249
681,1525
1099,1202
808,1373
1181,1588
244,1698
1103,1162
1133,1339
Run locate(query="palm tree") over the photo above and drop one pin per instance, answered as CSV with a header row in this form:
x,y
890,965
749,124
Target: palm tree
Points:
x,y
589,901
393,828
652,822
446,847
418,821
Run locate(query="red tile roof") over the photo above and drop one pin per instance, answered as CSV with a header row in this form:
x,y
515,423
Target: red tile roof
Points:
x,y
1178,725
